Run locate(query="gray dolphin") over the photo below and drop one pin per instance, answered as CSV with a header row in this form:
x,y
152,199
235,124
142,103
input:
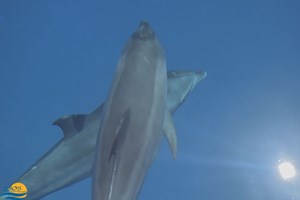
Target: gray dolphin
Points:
x,y
71,159
133,117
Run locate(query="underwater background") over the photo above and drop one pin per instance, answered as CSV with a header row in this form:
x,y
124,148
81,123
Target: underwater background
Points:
x,y
59,57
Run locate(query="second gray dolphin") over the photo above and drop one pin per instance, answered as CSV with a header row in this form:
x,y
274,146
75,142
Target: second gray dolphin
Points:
x,y
71,159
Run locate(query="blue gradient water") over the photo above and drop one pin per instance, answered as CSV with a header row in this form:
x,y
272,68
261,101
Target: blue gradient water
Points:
x,y
58,57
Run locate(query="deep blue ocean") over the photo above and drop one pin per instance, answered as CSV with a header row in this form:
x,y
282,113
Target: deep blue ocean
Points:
x,y
59,57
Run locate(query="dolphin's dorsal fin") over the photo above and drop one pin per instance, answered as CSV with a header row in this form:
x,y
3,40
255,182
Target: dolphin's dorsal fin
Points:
x,y
170,133
72,124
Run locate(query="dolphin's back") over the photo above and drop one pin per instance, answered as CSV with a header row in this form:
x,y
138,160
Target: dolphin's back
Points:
x,y
69,161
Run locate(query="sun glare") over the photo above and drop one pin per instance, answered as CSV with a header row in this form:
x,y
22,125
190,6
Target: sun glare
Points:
x,y
287,170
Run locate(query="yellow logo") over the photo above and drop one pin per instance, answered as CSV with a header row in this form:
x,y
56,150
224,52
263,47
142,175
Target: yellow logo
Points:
x,y
15,191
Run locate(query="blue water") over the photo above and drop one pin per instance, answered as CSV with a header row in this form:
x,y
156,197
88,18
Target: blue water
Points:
x,y
58,57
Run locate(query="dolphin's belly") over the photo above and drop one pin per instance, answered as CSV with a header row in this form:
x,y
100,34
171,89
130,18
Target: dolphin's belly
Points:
x,y
133,117
144,104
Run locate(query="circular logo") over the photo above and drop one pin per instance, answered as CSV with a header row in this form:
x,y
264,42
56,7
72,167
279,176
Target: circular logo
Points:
x,y
19,189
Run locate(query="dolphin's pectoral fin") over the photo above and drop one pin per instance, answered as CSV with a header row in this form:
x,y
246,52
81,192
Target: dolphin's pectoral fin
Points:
x,y
170,133
119,136
113,150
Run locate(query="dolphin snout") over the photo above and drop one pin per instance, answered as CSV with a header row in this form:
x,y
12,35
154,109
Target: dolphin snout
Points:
x,y
144,31
199,76
144,27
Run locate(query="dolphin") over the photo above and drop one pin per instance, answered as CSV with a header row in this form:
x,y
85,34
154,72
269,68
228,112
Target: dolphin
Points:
x,y
71,159
133,116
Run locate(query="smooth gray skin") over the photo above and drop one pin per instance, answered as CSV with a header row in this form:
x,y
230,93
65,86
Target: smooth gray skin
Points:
x,y
71,159
132,119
